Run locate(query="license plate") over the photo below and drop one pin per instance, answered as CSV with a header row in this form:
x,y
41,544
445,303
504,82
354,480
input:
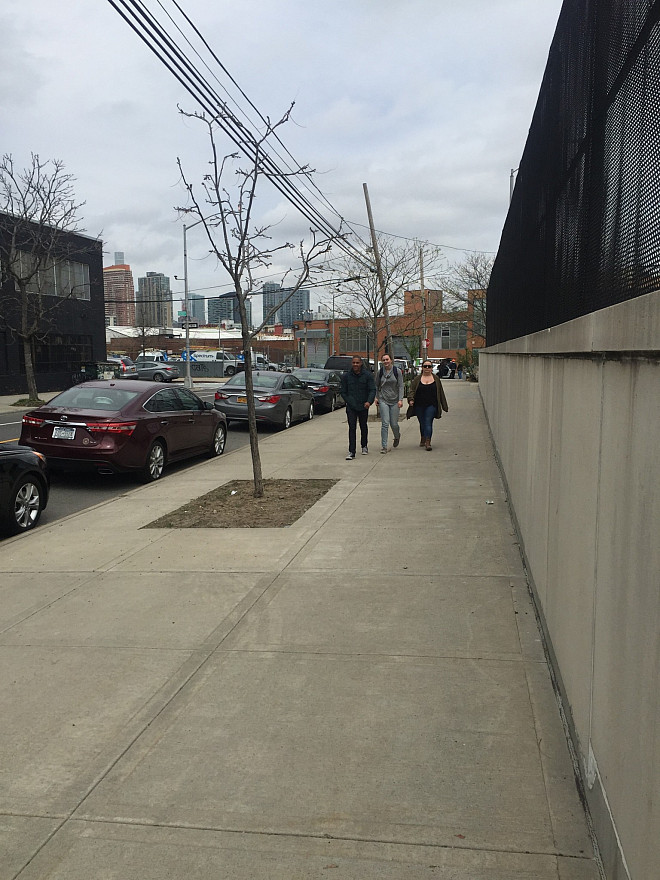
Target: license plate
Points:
x,y
241,400
61,433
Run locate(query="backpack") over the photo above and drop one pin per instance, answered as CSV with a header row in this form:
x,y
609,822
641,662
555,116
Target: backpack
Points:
x,y
380,374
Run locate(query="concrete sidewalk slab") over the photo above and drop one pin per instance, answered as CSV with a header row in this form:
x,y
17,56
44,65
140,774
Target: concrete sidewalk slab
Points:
x,y
162,611
363,693
189,853
258,745
382,615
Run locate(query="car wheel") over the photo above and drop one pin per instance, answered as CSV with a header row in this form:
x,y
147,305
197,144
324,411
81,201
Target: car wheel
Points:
x,y
310,414
230,371
219,440
25,507
155,463
287,419
158,377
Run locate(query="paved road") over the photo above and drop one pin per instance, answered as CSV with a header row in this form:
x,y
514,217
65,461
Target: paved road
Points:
x,y
71,493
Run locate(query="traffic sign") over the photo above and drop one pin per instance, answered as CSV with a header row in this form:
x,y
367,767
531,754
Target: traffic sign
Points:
x,y
182,314
425,343
191,324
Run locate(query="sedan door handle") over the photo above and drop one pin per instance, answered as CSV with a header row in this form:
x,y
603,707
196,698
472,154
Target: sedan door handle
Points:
x,y
164,421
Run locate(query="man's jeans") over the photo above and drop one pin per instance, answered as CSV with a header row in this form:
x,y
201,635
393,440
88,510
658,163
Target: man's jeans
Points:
x,y
353,418
389,418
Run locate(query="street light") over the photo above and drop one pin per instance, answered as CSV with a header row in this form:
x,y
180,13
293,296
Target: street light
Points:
x,y
188,380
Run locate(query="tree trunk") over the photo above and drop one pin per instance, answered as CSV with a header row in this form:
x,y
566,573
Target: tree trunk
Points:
x,y
30,377
249,392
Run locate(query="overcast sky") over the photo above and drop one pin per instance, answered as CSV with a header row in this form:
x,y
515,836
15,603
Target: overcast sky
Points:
x,y
426,101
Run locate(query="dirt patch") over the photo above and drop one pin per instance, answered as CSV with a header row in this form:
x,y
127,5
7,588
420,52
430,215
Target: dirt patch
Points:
x,y
233,506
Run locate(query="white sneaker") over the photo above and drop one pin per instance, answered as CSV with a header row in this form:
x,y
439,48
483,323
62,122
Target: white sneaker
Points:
x,y
383,451
350,456
365,451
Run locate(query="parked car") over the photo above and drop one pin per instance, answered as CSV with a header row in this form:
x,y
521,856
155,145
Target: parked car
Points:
x,y
325,385
127,368
343,362
110,427
24,488
280,398
157,371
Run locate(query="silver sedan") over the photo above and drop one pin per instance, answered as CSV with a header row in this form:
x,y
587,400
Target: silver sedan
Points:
x,y
280,398
157,371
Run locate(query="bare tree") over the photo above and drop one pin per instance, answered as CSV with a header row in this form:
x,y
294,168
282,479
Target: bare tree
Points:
x,y
243,247
465,284
38,216
362,297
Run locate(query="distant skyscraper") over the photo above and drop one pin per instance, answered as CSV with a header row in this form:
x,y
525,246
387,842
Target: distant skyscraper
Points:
x,y
225,308
292,310
221,308
154,301
119,293
197,308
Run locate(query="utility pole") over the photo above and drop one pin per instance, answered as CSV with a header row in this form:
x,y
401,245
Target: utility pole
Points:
x,y
381,281
423,292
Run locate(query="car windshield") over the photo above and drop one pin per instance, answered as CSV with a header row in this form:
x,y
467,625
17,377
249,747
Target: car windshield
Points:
x,y
318,375
105,399
260,380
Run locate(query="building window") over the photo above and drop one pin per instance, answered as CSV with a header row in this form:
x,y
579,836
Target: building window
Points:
x,y
450,335
66,278
353,339
61,352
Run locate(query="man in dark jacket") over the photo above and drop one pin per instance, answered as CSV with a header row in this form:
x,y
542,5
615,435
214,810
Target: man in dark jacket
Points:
x,y
359,391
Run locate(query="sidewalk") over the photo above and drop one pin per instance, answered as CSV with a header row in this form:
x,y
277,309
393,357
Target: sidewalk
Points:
x,y
361,696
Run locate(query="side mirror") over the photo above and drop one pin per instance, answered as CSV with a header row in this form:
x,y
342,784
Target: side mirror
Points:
x,y
208,405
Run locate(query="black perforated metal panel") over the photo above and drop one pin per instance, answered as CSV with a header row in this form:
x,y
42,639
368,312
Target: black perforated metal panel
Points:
x,y
583,228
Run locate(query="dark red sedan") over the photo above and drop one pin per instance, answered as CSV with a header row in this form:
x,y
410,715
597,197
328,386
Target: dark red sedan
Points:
x,y
113,426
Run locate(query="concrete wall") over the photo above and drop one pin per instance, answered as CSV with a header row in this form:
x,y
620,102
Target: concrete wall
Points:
x,y
575,417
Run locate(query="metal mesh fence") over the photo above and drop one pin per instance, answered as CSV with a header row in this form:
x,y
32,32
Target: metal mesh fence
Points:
x,y
583,228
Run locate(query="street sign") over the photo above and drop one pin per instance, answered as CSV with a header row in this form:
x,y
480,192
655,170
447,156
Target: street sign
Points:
x,y
191,324
425,343
182,314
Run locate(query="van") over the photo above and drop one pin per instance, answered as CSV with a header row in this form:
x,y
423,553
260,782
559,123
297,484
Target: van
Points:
x,y
159,356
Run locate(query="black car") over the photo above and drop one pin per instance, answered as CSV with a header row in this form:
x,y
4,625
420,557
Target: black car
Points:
x,y
325,385
24,487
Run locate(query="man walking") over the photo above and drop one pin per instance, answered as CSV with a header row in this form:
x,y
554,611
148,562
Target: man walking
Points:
x,y
389,391
359,391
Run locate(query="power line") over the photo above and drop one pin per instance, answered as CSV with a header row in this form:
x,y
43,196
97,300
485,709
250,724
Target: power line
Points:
x,y
161,44
423,241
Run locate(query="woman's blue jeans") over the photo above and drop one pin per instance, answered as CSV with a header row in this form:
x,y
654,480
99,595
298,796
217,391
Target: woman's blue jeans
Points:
x,y
426,414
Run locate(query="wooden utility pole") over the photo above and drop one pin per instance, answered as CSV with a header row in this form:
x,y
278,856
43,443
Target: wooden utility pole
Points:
x,y
423,346
381,281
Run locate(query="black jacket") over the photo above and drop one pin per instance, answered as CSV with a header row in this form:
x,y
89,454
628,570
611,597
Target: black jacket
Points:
x,y
358,388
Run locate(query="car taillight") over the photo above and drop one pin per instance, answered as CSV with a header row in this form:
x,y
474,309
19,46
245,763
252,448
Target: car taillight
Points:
x,y
32,420
323,388
220,396
272,398
125,428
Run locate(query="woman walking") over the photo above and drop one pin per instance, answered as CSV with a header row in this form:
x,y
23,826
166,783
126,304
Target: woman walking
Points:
x,y
427,398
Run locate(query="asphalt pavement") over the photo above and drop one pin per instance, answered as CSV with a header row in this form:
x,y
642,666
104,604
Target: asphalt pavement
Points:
x,y
363,694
